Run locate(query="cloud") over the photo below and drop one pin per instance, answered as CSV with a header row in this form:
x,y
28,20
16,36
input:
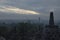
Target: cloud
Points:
x,y
42,7
2,0
11,9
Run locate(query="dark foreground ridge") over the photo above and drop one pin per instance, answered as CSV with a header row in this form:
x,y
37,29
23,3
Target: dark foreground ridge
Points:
x,y
30,31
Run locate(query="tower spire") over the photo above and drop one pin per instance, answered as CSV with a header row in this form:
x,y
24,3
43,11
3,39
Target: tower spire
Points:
x,y
51,21
39,20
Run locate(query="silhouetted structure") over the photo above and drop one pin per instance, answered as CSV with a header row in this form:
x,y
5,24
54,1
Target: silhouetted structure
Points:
x,y
51,21
51,31
39,20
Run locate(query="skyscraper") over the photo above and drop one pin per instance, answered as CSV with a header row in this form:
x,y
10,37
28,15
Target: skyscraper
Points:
x,y
51,21
51,30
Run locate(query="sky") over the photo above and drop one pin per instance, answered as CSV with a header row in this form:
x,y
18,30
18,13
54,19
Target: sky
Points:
x,y
29,9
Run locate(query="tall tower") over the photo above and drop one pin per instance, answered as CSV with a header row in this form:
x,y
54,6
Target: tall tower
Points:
x,y
51,20
39,20
51,30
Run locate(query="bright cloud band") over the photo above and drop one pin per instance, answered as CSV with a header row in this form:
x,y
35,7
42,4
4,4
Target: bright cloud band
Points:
x,y
17,10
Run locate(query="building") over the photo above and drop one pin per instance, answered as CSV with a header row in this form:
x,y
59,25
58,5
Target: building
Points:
x,y
51,30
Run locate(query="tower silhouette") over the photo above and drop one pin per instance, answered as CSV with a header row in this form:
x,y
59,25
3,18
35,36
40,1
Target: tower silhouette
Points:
x,y
51,20
39,20
51,30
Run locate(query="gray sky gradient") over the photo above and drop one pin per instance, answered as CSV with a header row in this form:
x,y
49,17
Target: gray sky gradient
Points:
x,y
39,6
